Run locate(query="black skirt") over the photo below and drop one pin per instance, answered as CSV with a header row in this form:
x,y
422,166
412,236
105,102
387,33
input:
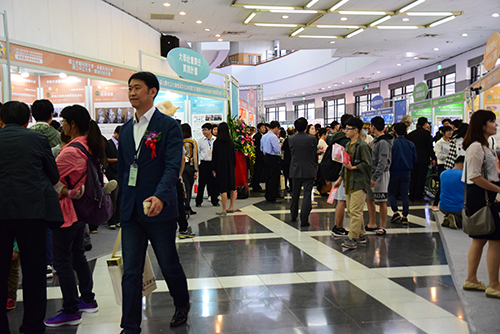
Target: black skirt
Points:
x,y
476,200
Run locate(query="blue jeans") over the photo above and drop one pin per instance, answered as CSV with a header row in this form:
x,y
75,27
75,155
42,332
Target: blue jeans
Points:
x,y
401,182
135,235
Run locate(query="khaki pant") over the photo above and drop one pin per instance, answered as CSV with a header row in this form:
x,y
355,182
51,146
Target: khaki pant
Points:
x,y
355,202
14,278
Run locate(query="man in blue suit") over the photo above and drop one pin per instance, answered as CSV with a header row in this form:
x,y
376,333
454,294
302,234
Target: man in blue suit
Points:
x,y
148,171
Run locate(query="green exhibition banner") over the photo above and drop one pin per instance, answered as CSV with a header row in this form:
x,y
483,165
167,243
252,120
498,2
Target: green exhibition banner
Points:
x,y
192,88
450,99
420,105
422,113
450,110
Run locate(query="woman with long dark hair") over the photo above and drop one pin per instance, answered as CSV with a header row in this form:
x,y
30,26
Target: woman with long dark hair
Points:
x,y
67,241
223,163
191,167
481,174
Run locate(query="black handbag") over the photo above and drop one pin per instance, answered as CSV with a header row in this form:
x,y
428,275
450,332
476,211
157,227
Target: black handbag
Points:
x,y
481,222
242,192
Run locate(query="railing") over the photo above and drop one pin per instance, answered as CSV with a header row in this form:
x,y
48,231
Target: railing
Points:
x,y
228,62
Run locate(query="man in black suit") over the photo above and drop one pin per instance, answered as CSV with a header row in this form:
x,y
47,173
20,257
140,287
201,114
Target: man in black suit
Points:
x,y
422,139
303,169
29,205
112,174
258,167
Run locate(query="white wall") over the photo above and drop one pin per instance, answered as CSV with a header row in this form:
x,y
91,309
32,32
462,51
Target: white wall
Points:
x,y
89,28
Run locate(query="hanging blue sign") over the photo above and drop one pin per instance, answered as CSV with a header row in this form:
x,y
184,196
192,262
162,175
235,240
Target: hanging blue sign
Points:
x,y
399,110
188,64
377,102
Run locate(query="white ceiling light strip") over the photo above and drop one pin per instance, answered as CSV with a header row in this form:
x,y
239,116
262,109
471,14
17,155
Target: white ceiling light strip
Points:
x,y
279,25
333,26
268,7
298,31
354,33
295,11
361,12
429,13
250,17
397,27
410,6
311,3
446,19
317,36
338,5
385,18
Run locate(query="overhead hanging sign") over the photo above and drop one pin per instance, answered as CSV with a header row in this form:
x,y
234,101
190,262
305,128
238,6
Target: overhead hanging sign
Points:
x,y
188,64
377,102
420,91
492,51
192,88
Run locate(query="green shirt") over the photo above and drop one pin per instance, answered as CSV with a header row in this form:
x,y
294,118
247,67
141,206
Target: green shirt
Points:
x,y
52,134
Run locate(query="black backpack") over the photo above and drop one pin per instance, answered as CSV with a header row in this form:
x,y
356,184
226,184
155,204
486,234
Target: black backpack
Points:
x,y
331,169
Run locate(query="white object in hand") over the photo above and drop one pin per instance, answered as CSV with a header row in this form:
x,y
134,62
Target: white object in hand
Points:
x,y
146,206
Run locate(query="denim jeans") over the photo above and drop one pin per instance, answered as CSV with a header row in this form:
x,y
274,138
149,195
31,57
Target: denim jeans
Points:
x,y
135,235
69,256
401,182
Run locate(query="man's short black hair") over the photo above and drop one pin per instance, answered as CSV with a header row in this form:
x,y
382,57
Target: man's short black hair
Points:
x,y
260,124
274,125
400,129
460,159
117,129
378,122
444,120
334,124
355,122
207,126
422,121
42,110
149,79
456,123
317,126
344,119
300,124
15,112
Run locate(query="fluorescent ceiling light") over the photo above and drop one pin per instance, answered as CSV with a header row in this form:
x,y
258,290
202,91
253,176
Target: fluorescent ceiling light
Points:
x,y
301,29
495,15
385,18
299,11
282,25
429,13
63,75
361,12
397,27
333,26
354,33
268,7
311,3
250,17
25,74
338,4
166,4
413,4
317,36
446,19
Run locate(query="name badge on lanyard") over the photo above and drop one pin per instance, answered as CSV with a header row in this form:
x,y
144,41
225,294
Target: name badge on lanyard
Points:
x,y
132,178
209,148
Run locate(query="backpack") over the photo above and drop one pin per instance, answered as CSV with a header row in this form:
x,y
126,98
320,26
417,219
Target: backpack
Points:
x,y
94,207
331,169
242,192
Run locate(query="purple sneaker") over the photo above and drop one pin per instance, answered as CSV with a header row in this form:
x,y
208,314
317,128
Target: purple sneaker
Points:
x,y
91,307
63,319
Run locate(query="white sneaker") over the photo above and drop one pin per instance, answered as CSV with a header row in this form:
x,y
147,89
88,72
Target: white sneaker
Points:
x,y
110,186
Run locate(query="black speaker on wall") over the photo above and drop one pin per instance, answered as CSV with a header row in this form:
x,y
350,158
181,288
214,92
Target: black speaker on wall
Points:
x,y
167,43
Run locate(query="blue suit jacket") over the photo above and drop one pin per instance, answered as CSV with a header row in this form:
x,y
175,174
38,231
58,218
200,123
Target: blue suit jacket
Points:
x,y
156,177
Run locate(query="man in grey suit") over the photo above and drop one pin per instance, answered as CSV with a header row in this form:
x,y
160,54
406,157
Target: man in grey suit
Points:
x,y
303,168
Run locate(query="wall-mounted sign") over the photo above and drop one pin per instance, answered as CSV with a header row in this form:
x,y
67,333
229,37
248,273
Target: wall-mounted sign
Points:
x,y
420,91
450,99
492,51
377,102
188,63
420,105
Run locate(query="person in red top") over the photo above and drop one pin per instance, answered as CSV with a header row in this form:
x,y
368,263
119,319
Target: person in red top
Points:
x,y
67,241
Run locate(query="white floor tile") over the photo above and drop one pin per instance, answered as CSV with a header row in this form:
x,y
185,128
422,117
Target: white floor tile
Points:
x,y
442,325
286,278
396,272
321,276
203,283
419,310
240,281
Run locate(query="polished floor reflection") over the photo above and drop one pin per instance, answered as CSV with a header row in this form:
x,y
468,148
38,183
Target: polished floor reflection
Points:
x,y
255,271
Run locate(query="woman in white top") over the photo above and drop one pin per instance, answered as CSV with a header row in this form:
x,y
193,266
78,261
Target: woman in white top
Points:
x,y
481,170
442,149
322,145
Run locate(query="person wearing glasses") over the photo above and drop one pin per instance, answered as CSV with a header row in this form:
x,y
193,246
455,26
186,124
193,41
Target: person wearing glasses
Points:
x,y
357,175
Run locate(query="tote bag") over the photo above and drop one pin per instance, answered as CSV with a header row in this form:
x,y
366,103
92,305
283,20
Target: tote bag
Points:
x,y
115,269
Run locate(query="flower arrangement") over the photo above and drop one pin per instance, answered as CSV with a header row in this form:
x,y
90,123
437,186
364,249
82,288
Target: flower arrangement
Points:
x,y
151,139
241,138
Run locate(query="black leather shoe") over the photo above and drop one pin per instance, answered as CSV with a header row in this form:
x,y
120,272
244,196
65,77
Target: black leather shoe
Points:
x,y
294,219
198,205
180,317
191,212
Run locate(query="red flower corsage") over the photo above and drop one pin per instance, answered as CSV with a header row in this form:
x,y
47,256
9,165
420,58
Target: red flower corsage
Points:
x,y
152,139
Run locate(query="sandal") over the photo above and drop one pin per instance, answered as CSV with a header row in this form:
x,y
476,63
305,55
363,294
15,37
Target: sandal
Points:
x,y
370,229
381,231
230,211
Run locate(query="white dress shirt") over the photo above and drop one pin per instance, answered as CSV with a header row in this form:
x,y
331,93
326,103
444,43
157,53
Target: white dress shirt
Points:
x,y
205,147
141,126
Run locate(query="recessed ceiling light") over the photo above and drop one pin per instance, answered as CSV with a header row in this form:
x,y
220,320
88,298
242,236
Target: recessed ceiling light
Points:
x,y
495,15
405,19
378,71
335,85
350,80
25,74
343,82
199,21
63,75
166,4
284,17
207,29
332,42
343,19
182,13
220,40
398,64
303,92
436,49
464,35
218,35
415,58
329,86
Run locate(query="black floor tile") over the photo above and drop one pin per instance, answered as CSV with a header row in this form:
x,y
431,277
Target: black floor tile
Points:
x,y
300,296
391,327
232,224
344,294
370,313
261,305
224,323
273,320
249,292
312,317
337,329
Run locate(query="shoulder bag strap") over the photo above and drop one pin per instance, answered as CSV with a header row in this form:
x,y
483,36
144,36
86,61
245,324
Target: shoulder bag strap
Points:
x,y
117,243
